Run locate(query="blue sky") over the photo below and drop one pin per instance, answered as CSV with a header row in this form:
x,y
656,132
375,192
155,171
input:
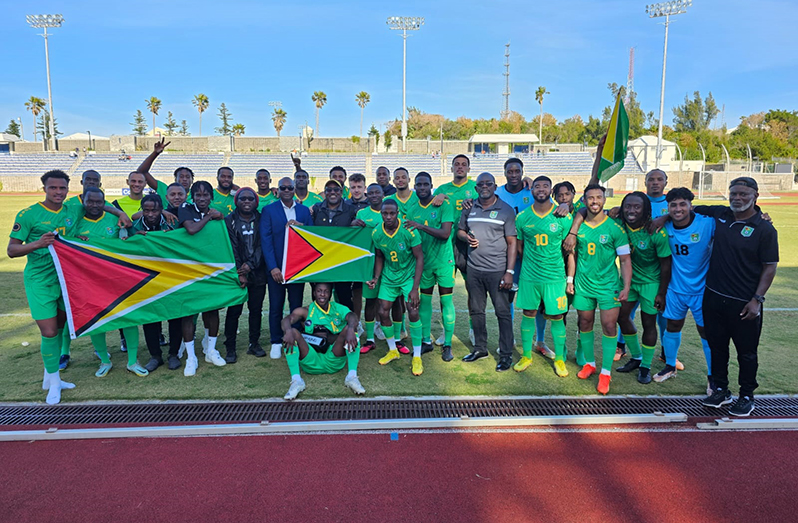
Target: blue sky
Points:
x,y
111,56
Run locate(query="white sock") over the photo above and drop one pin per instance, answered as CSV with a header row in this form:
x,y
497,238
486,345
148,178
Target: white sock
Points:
x,y
591,363
416,351
370,339
351,374
207,333
391,343
211,343
296,377
605,372
190,350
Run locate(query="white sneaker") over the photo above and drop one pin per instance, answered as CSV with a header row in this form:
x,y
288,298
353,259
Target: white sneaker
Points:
x,y
276,351
354,384
191,367
441,340
378,331
403,335
213,356
471,336
182,350
360,329
296,387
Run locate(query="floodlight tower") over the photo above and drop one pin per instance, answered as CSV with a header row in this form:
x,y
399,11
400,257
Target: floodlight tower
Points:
x,y
45,21
506,94
404,24
630,79
666,9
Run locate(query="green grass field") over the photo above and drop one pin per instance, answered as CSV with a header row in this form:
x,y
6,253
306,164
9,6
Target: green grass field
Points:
x,y
256,378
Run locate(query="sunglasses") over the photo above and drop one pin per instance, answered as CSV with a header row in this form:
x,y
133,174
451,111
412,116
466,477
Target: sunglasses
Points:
x,y
332,189
286,187
485,184
246,199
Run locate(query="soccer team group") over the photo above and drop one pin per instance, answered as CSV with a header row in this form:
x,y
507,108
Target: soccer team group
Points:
x,y
528,242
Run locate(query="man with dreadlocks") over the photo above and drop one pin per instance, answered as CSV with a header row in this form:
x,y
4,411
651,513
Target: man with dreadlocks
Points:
x,y
651,274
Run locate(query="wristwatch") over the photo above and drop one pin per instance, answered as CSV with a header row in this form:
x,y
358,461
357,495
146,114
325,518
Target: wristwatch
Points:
x,y
511,271
759,298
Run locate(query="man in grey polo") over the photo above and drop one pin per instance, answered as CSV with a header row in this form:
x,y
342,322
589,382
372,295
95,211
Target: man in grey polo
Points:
x,y
488,228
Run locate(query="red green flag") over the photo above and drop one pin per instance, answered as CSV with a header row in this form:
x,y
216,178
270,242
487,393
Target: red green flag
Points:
x,y
615,147
108,284
327,254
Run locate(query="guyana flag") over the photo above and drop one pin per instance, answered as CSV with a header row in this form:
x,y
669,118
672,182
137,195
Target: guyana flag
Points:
x,y
109,284
614,153
327,254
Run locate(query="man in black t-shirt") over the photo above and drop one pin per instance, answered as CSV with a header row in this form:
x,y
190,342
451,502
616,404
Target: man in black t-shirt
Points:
x,y
741,269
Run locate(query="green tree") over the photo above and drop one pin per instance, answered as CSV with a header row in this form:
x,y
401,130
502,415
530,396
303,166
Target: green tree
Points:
x,y
170,125
279,117
637,117
375,133
13,128
35,106
184,128
153,105
319,98
43,125
695,114
387,138
201,102
238,129
362,98
539,94
139,123
572,130
225,117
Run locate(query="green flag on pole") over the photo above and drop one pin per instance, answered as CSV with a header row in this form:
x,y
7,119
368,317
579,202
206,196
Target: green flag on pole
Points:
x,y
615,147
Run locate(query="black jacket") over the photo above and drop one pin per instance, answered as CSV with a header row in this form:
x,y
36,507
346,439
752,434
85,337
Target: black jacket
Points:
x,y
245,240
340,217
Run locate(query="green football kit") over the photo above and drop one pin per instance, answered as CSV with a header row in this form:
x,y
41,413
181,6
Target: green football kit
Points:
x,y
224,203
645,251
263,201
405,204
399,267
315,362
310,200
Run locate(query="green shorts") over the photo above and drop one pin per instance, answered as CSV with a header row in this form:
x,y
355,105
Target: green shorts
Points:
x,y
443,276
645,293
44,299
322,362
583,302
370,294
553,296
391,292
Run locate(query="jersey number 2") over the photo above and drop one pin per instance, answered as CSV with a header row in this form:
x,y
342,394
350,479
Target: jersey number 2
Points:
x,y
394,256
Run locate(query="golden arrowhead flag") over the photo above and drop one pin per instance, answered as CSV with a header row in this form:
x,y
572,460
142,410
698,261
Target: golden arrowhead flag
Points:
x,y
327,254
613,155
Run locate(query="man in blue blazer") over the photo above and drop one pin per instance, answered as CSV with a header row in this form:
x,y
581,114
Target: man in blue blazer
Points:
x,y
275,217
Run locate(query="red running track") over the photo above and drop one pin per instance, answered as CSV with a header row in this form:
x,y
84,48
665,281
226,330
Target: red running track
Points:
x,y
470,477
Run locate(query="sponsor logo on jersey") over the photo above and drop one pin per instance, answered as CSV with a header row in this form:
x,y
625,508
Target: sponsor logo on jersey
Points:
x,y
695,237
553,227
493,214
603,238
747,231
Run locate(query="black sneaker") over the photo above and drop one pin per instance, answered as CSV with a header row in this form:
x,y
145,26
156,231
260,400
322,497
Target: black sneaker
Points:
x,y
162,340
718,398
231,357
446,353
425,348
153,364
174,363
256,350
123,345
504,364
744,406
644,376
631,365
63,362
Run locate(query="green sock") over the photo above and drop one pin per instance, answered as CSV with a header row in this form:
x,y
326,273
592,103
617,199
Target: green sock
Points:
x,y
63,335
580,356
402,328
98,340
132,340
447,311
389,331
425,313
648,356
634,346
558,335
527,334
51,353
588,352
369,331
352,359
292,359
608,345
415,335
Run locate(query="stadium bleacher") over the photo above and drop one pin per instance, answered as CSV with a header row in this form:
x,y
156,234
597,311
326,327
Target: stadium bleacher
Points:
x,y
414,163
551,163
203,165
33,164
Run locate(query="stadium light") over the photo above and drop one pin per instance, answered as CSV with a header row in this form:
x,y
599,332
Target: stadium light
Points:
x,y
21,129
404,24
666,9
43,22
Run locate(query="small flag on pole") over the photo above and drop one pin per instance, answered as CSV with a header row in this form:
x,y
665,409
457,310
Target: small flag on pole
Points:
x,y
614,153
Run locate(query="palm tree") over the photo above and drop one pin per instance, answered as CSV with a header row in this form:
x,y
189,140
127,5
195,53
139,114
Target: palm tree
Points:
x,y
154,105
320,98
363,98
539,97
238,129
201,102
35,106
278,117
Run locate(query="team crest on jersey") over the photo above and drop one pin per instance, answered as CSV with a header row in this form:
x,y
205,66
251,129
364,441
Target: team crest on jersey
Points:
x,y
526,199
695,237
642,244
553,227
663,212
401,246
68,222
468,194
433,215
603,238
337,321
109,230
493,214
747,231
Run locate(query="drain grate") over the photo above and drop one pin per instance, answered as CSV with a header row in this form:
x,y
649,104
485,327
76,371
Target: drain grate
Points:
x,y
368,409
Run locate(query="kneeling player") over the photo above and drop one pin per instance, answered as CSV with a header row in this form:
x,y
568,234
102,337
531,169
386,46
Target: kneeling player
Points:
x,y
328,343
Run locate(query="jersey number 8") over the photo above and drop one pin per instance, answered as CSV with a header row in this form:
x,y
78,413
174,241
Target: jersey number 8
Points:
x,y
591,248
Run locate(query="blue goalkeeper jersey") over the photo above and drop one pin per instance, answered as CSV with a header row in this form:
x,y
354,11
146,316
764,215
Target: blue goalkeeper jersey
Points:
x,y
518,201
691,248
659,206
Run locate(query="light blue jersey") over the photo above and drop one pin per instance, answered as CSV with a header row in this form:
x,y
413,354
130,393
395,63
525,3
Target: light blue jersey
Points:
x,y
659,206
691,248
518,201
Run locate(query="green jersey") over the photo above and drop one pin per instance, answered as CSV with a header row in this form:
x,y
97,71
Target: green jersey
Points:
x,y
128,205
161,191
646,250
224,203
334,319
397,248
75,201
597,247
437,253
103,227
310,200
263,201
31,223
542,236
371,217
457,193
404,205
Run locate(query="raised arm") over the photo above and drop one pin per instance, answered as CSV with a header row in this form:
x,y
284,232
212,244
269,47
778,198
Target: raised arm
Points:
x,y
146,165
